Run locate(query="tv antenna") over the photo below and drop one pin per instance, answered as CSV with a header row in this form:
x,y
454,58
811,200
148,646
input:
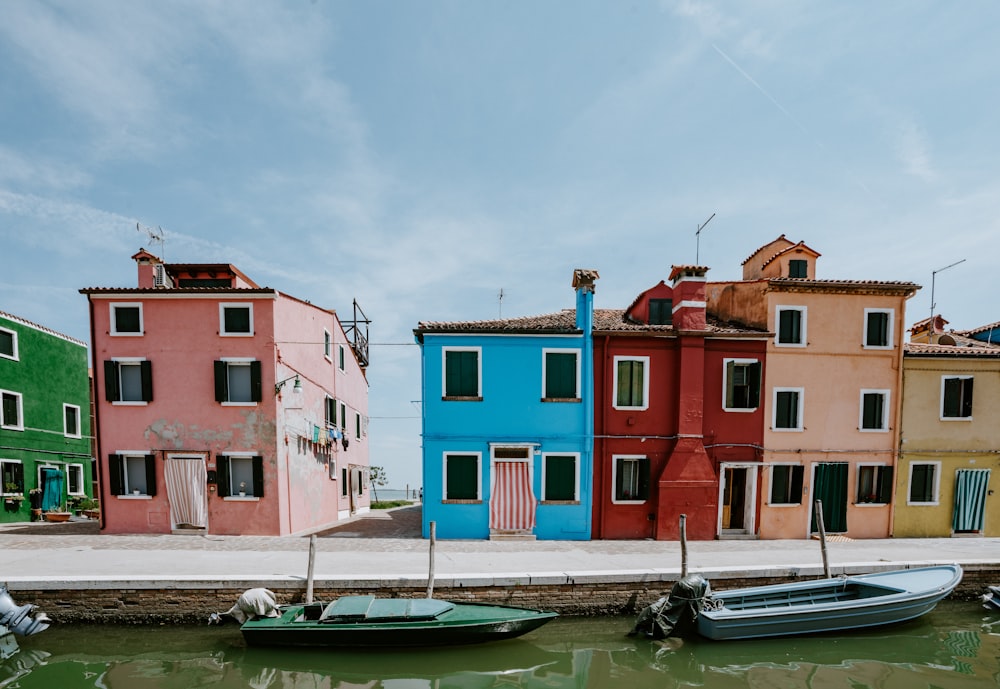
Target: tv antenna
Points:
x,y
154,235
697,238
930,331
500,304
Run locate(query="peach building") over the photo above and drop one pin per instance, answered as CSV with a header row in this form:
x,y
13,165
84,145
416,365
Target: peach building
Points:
x,y
224,407
831,394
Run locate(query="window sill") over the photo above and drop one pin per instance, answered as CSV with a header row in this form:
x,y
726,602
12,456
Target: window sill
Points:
x,y
922,504
873,430
239,404
871,504
241,498
129,403
560,502
741,410
461,502
784,504
562,399
460,398
12,428
628,502
956,418
235,334
787,430
141,496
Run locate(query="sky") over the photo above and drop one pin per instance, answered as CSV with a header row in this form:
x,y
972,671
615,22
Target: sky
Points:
x,y
425,157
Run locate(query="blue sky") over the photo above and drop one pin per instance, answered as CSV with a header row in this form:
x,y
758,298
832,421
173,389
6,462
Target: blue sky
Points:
x,y
422,156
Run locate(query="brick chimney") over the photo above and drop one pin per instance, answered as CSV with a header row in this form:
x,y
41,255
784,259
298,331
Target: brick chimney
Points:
x,y
689,297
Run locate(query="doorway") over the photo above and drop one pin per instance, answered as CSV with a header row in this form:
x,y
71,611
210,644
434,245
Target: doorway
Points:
x,y
737,500
970,500
186,477
830,486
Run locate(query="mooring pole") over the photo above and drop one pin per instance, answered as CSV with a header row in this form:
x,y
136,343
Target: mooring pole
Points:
x,y
430,567
312,564
822,538
684,546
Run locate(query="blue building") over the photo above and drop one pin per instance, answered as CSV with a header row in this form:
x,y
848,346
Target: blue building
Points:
x,y
508,424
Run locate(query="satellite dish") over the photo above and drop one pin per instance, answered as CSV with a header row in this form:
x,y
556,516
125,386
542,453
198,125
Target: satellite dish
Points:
x,y
946,340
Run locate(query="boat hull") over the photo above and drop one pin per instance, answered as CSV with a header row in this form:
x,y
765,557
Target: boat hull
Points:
x,y
827,605
464,624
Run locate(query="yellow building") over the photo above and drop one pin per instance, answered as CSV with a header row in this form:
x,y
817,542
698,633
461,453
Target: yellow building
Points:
x,y
950,442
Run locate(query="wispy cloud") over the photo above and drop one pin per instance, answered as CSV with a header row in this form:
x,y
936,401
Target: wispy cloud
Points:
x,y
912,148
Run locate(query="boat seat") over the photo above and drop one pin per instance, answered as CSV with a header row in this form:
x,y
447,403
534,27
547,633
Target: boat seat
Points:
x,y
348,607
370,608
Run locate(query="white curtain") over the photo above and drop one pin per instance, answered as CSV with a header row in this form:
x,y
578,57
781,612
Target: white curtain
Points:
x,y
186,481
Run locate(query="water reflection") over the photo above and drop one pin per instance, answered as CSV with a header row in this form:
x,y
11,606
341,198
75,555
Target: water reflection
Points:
x,y
955,647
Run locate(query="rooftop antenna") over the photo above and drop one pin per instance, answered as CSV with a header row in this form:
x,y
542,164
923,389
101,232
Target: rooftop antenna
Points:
x,y
930,331
154,235
500,304
697,239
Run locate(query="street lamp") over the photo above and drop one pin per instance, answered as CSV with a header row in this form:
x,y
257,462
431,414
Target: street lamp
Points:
x,y
296,387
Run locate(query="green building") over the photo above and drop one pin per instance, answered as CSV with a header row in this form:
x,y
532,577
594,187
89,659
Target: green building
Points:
x,y
45,435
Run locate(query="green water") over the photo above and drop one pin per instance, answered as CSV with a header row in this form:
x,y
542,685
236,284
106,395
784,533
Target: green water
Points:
x,y
958,645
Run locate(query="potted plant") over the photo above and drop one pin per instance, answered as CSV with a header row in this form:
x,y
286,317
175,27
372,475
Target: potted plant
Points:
x,y
12,496
35,498
243,489
89,508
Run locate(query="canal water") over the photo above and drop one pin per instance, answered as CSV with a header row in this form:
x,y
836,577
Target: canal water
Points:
x,y
956,646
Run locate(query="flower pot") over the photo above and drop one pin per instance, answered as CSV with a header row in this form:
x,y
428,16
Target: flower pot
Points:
x,y
92,514
243,494
57,516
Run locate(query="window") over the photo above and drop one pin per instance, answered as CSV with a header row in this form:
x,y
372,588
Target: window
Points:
x,y
235,320
126,319
874,484
10,411
330,408
560,480
786,484
924,478
240,474
878,328
461,476
71,421
357,425
661,311
343,482
631,383
237,381
631,479
343,417
8,344
340,357
132,474
462,373
791,326
741,384
11,477
560,373
787,409
798,268
128,380
74,479
327,344
956,397
874,410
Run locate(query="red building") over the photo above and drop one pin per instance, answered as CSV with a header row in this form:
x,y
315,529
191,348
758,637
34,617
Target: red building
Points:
x,y
679,418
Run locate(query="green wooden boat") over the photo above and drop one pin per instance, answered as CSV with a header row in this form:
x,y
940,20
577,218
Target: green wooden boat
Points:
x,y
359,621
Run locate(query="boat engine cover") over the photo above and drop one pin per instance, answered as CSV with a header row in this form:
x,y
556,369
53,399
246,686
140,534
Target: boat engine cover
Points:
x,y
675,614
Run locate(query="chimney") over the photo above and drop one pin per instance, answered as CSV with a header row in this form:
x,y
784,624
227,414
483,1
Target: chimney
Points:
x,y
583,283
151,270
688,283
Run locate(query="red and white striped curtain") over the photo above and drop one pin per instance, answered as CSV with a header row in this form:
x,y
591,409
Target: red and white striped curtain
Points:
x,y
512,503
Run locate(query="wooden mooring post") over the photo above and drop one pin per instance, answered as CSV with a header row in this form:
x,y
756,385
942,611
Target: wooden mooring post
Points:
x,y
430,566
822,538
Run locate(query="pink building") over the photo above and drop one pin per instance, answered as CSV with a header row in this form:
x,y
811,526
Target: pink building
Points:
x,y
223,407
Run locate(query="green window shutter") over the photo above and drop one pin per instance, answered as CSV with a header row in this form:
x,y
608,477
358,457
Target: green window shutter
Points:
x,y
150,474
884,489
560,477
116,474
237,319
872,410
619,477
786,410
795,487
112,391
221,382
790,327
560,375
258,476
343,417
922,483
730,383
967,397
461,477
146,375
779,484
661,311
256,387
343,482
643,478
6,343
952,397
461,374
753,381
798,268
222,476
630,383
878,329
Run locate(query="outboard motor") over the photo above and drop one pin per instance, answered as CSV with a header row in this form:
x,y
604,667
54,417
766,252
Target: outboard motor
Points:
x,y
20,619
251,603
675,614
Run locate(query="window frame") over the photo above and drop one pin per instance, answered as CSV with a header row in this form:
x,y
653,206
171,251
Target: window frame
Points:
x,y
479,478
789,483
886,397
799,410
19,402
575,500
118,474
223,387
966,390
935,489
888,484
575,353
341,358
14,355
327,345
643,491
889,328
663,304
478,397
803,326
223,332
725,383
113,324
113,391
798,263
79,420
76,468
15,476
226,476
618,359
